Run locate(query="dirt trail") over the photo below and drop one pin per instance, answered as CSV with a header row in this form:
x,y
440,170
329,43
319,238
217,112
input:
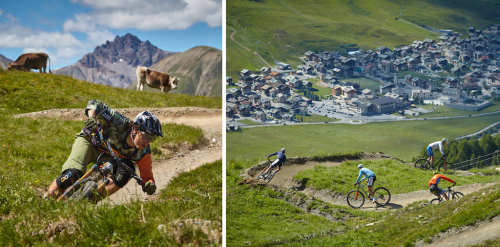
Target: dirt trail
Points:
x,y
283,179
209,120
465,236
469,235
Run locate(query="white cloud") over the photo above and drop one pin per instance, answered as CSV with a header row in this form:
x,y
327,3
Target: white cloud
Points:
x,y
39,40
82,23
61,47
146,15
0,11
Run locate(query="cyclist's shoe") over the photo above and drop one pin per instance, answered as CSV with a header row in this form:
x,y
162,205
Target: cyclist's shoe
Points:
x,y
374,199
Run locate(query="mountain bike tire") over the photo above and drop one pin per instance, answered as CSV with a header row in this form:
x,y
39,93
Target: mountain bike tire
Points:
x,y
355,201
422,163
88,187
456,195
448,170
260,174
384,196
435,201
270,176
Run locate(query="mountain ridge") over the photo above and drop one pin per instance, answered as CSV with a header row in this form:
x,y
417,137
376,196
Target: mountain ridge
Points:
x,y
199,70
113,63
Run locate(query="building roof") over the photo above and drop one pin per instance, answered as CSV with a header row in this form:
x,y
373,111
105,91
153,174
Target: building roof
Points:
x,y
383,101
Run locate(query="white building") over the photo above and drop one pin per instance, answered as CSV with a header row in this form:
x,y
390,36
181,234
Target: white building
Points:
x,y
421,93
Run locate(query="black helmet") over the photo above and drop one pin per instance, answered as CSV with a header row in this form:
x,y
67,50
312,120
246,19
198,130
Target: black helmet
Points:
x,y
148,122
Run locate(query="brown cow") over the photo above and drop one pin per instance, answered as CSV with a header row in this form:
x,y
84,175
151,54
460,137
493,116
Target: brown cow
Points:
x,y
29,61
155,79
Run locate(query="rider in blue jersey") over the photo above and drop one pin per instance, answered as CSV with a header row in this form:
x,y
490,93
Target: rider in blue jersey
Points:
x,y
435,145
280,161
370,177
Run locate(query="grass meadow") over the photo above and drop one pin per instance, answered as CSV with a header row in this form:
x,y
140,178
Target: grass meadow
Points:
x,y
315,118
395,176
365,83
33,151
444,111
403,139
254,212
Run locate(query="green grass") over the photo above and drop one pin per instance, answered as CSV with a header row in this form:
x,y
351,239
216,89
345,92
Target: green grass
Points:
x,y
33,151
249,122
318,90
403,139
403,74
444,111
27,92
193,195
287,29
254,211
365,83
315,118
391,174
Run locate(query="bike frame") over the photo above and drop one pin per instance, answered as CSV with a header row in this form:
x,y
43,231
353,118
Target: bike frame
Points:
x,y
363,190
104,171
438,162
448,191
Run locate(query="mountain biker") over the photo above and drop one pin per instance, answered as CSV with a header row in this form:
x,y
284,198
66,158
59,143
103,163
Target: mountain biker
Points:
x,y
280,161
435,145
129,139
370,179
433,184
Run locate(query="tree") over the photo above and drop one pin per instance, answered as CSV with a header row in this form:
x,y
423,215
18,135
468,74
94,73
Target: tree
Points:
x,y
487,144
463,151
472,160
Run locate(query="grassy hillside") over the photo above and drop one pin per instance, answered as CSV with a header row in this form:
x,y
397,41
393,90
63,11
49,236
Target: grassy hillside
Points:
x,y
287,29
255,212
26,92
403,139
199,70
33,151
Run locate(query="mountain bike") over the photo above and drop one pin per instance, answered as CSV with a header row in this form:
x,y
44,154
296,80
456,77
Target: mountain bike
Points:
x,y
267,173
88,183
442,166
451,195
356,198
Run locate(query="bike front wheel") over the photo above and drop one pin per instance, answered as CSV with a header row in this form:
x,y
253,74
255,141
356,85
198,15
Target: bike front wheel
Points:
x,y
270,176
447,168
422,164
83,191
383,196
355,199
435,201
261,173
456,195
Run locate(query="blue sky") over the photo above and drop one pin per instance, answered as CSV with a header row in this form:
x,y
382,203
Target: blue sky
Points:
x,y
68,29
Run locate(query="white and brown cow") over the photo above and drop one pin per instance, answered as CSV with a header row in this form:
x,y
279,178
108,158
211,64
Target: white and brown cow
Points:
x,y
155,79
29,61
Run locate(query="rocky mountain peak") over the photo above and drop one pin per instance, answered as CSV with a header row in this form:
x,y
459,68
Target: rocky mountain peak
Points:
x,y
130,49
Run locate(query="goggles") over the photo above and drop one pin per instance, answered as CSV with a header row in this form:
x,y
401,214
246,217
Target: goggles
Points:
x,y
148,137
